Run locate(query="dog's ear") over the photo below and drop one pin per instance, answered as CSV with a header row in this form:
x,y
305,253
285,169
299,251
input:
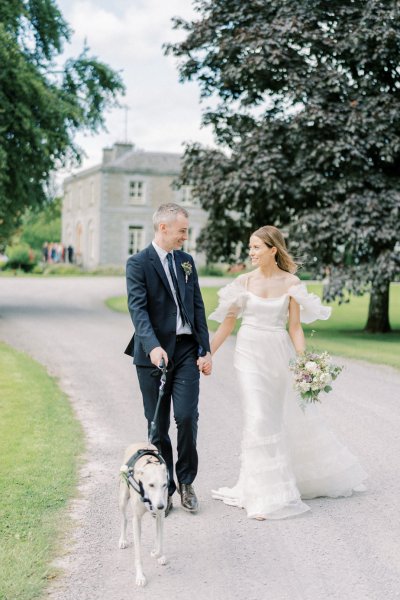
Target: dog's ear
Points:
x,y
139,472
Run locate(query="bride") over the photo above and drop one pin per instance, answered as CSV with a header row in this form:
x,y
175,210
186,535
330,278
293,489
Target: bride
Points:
x,y
288,454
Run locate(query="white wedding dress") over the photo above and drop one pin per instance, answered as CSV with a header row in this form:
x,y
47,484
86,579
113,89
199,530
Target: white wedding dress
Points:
x,y
287,454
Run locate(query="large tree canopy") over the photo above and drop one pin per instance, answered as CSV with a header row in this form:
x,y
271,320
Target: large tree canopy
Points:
x,y
308,127
42,104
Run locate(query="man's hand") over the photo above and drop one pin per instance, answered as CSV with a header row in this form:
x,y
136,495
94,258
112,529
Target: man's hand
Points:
x,y
157,354
205,364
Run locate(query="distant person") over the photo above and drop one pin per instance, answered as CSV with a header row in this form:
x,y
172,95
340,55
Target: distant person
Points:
x,y
70,254
59,252
53,252
45,252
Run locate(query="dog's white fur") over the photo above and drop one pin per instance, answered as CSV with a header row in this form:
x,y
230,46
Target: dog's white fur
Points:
x,y
153,476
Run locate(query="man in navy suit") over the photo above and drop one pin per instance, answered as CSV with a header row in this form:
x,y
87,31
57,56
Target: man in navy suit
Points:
x,y
167,311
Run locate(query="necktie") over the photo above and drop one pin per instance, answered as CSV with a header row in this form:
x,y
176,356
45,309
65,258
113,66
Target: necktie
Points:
x,y
182,310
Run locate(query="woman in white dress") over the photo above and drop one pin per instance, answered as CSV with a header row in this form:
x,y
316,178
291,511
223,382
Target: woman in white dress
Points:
x,y
287,454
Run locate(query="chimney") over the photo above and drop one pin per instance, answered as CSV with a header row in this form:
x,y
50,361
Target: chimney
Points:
x,y
107,155
121,148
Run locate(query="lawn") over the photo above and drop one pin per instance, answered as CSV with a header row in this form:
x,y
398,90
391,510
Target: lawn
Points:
x,y
342,334
118,303
40,445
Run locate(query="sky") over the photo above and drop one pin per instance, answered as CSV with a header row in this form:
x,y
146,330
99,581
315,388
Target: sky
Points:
x,y
128,35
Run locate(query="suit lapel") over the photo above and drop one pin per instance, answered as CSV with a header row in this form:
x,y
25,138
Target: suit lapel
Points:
x,y
156,262
180,275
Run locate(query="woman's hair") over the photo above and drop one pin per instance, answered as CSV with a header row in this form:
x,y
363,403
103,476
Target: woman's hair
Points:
x,y
168,213
272,237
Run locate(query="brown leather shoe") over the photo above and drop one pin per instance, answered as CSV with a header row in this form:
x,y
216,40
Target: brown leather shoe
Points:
x,y
188,497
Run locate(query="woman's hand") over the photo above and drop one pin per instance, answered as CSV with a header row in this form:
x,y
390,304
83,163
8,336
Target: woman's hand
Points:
x,y
205,364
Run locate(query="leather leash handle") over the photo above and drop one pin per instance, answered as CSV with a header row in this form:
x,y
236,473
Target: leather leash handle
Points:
x,y
154,422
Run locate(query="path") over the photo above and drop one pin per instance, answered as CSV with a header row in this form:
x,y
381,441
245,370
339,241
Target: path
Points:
x,y
342,549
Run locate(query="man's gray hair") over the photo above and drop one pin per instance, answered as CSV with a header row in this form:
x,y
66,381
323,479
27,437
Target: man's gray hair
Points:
x,y
167,213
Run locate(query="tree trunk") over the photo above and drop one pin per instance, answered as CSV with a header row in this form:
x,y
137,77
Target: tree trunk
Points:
x,y
378,311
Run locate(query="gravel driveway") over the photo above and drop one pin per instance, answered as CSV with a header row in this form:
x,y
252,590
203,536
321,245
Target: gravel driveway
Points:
x,y
342,549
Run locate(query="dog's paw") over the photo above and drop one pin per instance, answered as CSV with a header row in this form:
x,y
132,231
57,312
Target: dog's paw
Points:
x,y
123,543
141,580
162,560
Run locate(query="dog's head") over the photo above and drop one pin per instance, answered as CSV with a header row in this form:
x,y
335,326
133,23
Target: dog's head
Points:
x,y
153,477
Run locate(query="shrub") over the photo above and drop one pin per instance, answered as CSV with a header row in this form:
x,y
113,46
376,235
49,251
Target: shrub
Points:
x,y
21,256
38,269
63,269
304,275
108,270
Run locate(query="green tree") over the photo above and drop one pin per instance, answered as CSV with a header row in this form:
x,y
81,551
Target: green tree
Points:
x,y
308,133
42,104
40,226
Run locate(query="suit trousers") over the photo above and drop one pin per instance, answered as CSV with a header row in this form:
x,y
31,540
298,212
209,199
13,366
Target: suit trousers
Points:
x,y
182,385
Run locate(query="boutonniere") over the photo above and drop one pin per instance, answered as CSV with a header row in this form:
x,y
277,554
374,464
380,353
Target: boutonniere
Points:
x,y
187,269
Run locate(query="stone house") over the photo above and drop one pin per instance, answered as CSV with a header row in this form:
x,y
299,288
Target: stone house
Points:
x,y
107,209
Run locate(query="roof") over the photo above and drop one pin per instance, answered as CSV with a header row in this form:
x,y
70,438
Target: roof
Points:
x,y
123,157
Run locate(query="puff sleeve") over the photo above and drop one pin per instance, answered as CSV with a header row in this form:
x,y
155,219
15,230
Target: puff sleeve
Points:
x,y
311,307
232,298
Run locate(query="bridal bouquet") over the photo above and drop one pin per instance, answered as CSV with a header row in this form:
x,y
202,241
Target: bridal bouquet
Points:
x,y
313,374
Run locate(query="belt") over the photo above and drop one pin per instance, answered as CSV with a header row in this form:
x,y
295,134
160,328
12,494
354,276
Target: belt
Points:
x,y
184,336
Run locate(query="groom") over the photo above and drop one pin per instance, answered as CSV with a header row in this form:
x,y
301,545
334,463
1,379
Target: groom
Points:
x,y
167,311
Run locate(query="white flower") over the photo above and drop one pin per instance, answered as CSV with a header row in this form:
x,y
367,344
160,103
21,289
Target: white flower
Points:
x,y
124,469
311,366
187,268
304,386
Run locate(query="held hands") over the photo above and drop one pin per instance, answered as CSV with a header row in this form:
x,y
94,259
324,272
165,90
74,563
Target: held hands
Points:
x,y
205,364
157,354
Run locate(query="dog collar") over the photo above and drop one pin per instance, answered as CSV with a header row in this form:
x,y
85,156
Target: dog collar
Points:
x,y
130,477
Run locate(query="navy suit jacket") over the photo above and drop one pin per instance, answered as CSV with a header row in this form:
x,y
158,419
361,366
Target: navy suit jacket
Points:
x,y
153,309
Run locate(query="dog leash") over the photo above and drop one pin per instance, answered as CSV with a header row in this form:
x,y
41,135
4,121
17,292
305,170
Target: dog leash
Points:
x,y
154,423
128,469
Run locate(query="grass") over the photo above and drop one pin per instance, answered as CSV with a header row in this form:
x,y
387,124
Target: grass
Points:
x,y
118,303
342,334
40,442
65,270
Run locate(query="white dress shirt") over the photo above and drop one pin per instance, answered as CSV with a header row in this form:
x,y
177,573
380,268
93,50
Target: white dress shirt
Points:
x,y
180,327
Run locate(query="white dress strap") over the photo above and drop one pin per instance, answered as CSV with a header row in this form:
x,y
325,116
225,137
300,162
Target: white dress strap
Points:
x,y
232,299
311,307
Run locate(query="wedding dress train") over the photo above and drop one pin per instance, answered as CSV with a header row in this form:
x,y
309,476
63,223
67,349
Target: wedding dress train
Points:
x,y
288,455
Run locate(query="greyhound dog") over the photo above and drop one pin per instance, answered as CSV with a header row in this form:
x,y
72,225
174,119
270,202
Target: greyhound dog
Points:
x,y
144,481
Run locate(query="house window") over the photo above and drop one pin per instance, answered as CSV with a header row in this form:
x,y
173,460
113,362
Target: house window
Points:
x,y
185,195
136,192
190,244
135,239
